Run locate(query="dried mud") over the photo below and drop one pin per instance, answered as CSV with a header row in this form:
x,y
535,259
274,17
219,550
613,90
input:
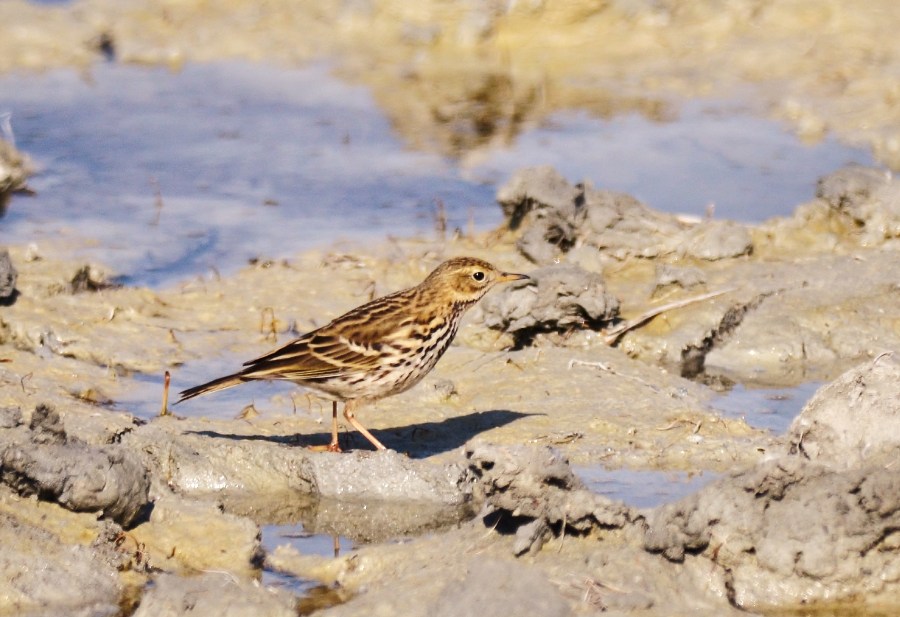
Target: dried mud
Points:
x,y
103,512
491,432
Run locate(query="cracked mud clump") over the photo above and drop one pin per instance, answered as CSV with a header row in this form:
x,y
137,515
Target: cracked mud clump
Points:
x,y
41,460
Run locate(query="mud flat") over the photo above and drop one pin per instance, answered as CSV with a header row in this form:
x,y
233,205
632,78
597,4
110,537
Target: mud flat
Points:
x,y
602,359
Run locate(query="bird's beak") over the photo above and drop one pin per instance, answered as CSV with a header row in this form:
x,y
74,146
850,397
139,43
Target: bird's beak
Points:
x,y
505,277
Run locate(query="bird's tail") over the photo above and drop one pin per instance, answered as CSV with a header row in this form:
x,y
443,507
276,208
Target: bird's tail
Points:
x,y
211,386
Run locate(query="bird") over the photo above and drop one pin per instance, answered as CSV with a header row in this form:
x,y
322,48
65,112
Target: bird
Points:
x,y
379,349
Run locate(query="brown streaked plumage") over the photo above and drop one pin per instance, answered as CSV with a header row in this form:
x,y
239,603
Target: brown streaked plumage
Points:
x,y
381,348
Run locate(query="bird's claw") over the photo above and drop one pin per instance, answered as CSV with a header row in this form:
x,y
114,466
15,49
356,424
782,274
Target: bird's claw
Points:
x,y
332,447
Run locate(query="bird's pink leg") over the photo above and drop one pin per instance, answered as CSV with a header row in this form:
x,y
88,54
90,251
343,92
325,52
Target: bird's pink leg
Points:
x,y
333,446
348,413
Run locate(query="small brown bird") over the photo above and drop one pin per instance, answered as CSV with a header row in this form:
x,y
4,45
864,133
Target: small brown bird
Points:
x,y
379,349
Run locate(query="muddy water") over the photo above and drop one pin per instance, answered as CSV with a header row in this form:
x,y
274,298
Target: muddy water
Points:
x,y
165,176
168,175
706,157
767,408
305,543
643,489
771,409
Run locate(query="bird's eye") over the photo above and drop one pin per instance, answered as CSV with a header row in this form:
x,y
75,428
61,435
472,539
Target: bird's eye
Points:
x,y
478,275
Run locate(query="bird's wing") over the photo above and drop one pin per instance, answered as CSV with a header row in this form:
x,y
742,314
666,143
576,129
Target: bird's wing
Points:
x,y
354,342
312,357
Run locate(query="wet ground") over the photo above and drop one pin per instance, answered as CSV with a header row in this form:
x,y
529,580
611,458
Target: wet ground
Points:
x,y
243,190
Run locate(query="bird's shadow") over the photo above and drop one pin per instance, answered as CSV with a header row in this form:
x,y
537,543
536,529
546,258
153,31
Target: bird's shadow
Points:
x,y
415,440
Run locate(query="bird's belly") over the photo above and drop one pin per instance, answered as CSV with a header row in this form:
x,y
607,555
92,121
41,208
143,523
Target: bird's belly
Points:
x,y
397,374
372,384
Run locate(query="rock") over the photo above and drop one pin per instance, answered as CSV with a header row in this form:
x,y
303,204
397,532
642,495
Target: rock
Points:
x,y
108,479
10,417
808,317
89,279
853,420
684,277
554,217
811,525
212,594
537,189
15,168
715,240
547,207
387,475
8,276
882,215
536,488
557,298
587,257
869,196
851,186
779,344
530,536
181,536
203,461
46,426
790,532
47,566
622,226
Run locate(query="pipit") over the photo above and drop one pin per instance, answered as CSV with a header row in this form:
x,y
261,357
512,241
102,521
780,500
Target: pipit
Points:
x,y
379,349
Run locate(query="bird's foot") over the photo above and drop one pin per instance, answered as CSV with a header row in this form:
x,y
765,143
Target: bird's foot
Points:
x,y
332,447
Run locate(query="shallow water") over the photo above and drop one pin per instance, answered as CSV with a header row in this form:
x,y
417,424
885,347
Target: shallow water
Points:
x,y
306,544
767,408
772,409
712,157
165,176
143,397
643,489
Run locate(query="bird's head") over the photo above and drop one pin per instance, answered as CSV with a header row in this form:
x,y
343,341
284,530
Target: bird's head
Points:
x,y
466,279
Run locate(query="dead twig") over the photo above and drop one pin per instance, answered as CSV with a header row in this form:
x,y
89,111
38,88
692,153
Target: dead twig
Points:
x,y
679,422
608,369
612,335
164,411
440,219
270,327
25,378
